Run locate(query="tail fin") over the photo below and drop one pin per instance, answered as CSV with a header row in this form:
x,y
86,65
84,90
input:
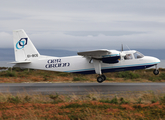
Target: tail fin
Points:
x,y
23,47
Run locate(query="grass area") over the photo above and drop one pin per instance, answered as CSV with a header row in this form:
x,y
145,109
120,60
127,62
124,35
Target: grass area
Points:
x,y
93,106
17,75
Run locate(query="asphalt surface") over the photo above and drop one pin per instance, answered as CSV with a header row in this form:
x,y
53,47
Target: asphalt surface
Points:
x,y
79,88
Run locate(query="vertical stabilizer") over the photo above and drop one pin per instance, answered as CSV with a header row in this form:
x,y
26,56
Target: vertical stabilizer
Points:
x,y
23,47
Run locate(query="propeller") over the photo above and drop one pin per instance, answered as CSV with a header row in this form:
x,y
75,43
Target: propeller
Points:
x,y
121,47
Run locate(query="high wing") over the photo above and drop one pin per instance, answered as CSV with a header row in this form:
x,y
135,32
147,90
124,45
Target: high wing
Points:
x,y
95,53
106,56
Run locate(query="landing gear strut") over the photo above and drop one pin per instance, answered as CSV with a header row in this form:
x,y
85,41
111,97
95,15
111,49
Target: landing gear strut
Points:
x,y
101,78
156,71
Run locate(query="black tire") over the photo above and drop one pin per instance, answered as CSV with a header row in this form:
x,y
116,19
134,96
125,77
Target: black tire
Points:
x,y
100,79
156,72
103,76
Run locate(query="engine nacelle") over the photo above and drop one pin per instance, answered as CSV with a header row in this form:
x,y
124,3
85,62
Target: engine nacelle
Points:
x,y
111,60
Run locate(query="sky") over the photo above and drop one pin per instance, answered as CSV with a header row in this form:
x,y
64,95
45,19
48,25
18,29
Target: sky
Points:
x,y
85,24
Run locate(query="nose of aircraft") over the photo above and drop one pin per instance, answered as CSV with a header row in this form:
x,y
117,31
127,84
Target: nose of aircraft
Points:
x,y
153,59
156,60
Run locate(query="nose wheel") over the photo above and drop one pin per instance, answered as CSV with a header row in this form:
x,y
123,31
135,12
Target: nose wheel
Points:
x,y
101,78
156,71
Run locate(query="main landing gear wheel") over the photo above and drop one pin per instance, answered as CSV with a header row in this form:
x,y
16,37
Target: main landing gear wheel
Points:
x,y
101,78
104,77
156,72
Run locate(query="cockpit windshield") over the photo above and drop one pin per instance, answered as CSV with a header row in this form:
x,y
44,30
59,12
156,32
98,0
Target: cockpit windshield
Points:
x,y
138,55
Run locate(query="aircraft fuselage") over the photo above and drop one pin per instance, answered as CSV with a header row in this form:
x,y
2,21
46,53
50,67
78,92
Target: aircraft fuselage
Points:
x,y
79,64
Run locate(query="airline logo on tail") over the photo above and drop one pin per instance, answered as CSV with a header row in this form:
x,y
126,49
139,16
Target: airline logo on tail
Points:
x,y
21,43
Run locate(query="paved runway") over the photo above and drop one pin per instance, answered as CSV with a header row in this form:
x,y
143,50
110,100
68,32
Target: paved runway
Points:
x,y
79,88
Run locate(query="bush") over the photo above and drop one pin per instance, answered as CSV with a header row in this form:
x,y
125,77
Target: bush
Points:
x,y
122,101
139,101
46,77
17,69
8,74
3,68
76,105
114,101
27,99
162,76
109,79
24,73
63,74
154,78
153,100
162,99
14,100
127,75
54,97
79,79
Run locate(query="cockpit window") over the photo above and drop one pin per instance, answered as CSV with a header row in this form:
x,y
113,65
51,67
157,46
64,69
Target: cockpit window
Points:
x,y
138,55
128,57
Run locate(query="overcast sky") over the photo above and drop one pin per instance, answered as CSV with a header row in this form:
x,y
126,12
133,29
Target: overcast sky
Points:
x,y
85,24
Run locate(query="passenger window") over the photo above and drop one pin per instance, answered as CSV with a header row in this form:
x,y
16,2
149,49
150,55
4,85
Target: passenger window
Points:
x,y
128,57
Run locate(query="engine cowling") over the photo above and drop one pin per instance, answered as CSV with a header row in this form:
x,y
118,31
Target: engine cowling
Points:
x,y
111,60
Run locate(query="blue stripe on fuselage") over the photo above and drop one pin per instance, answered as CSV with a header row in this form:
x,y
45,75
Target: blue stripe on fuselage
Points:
x,y
114,68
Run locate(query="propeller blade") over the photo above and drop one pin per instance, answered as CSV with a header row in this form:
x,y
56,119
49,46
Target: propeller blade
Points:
x,y
121,47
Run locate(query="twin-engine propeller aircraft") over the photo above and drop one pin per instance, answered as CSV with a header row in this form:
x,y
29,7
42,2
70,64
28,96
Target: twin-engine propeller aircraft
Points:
x,y
89,62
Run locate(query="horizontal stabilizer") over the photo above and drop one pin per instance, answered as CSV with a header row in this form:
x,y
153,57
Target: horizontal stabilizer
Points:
x,y
19,62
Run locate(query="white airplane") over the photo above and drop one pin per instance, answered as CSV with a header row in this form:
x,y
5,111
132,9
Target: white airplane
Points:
x,y
88,62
